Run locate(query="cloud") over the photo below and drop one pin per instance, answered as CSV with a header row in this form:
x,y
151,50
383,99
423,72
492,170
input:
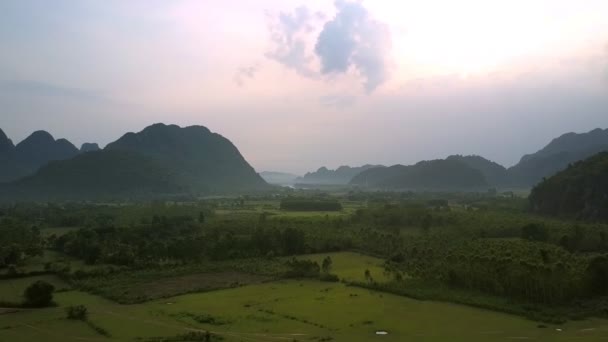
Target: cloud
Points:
x,y
351,42
353,39
288,34
337,101
605,62
244,73
38,88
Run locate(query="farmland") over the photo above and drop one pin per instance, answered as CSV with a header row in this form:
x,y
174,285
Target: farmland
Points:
x,y
301,310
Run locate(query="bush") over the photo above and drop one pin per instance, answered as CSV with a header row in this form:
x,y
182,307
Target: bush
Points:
x,y
78,312
39,294
329,277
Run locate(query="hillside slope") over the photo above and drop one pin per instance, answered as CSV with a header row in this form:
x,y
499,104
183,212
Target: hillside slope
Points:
x,y
580,191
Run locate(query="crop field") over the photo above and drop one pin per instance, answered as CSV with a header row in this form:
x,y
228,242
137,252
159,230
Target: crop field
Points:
x,y
284,310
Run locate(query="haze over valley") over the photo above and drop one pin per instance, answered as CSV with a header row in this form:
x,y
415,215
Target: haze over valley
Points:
x,y
281,170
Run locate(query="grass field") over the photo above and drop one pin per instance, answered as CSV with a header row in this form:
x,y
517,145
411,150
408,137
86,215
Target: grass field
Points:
x,y
287,310
11,290
350,266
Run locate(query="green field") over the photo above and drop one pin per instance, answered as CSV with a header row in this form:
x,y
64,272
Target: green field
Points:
x,y
11,290
350,266
286,310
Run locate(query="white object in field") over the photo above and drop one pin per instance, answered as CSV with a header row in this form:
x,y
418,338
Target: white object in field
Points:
x,y
381,332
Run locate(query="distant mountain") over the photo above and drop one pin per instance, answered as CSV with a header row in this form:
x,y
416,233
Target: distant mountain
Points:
x,y
89,147
556,156
279,178
340,176
159,160
40,148
203,160
426,175
10,168
494,173
97,175
29,155
580,191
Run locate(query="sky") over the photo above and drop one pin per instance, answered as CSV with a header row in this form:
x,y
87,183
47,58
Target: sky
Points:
x,y
296,84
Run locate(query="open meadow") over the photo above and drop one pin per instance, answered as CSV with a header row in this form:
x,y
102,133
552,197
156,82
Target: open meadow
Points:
x,y
282,310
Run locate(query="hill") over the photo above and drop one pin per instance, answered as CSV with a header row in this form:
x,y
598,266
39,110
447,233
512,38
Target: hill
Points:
x,y
340,176
441,174
99,175
89,147
279,178
202,160
40,148
10,168
159,160
29,155
556,156
494,173
580,191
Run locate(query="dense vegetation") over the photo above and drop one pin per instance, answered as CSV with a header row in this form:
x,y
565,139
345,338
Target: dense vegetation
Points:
x,y
340,176
557,155
430,175
482,249
307,204
580,191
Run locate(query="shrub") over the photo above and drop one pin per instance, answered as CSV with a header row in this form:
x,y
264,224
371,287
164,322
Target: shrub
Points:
x,y
329,277
39,294
78,312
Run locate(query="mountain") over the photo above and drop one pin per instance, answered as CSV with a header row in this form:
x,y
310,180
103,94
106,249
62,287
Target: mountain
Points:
x,y
494,173
279,178
441,174
203,160
99,175
159,160
89,147
40,148
556,156
341,176
580,191
10,168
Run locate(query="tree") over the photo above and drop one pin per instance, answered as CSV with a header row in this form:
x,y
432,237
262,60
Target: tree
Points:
x,y
368,276
39,294
201,217
326,265
534,232
78,312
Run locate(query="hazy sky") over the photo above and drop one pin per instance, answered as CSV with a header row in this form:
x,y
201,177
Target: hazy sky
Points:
x,y
300,84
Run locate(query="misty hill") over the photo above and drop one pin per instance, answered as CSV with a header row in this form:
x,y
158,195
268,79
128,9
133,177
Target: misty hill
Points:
x,y
160,159
99,174
29,155
441,174
10,168
580,191
280,178
494,173
203,160
556,156
339,176
89,147
40,148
